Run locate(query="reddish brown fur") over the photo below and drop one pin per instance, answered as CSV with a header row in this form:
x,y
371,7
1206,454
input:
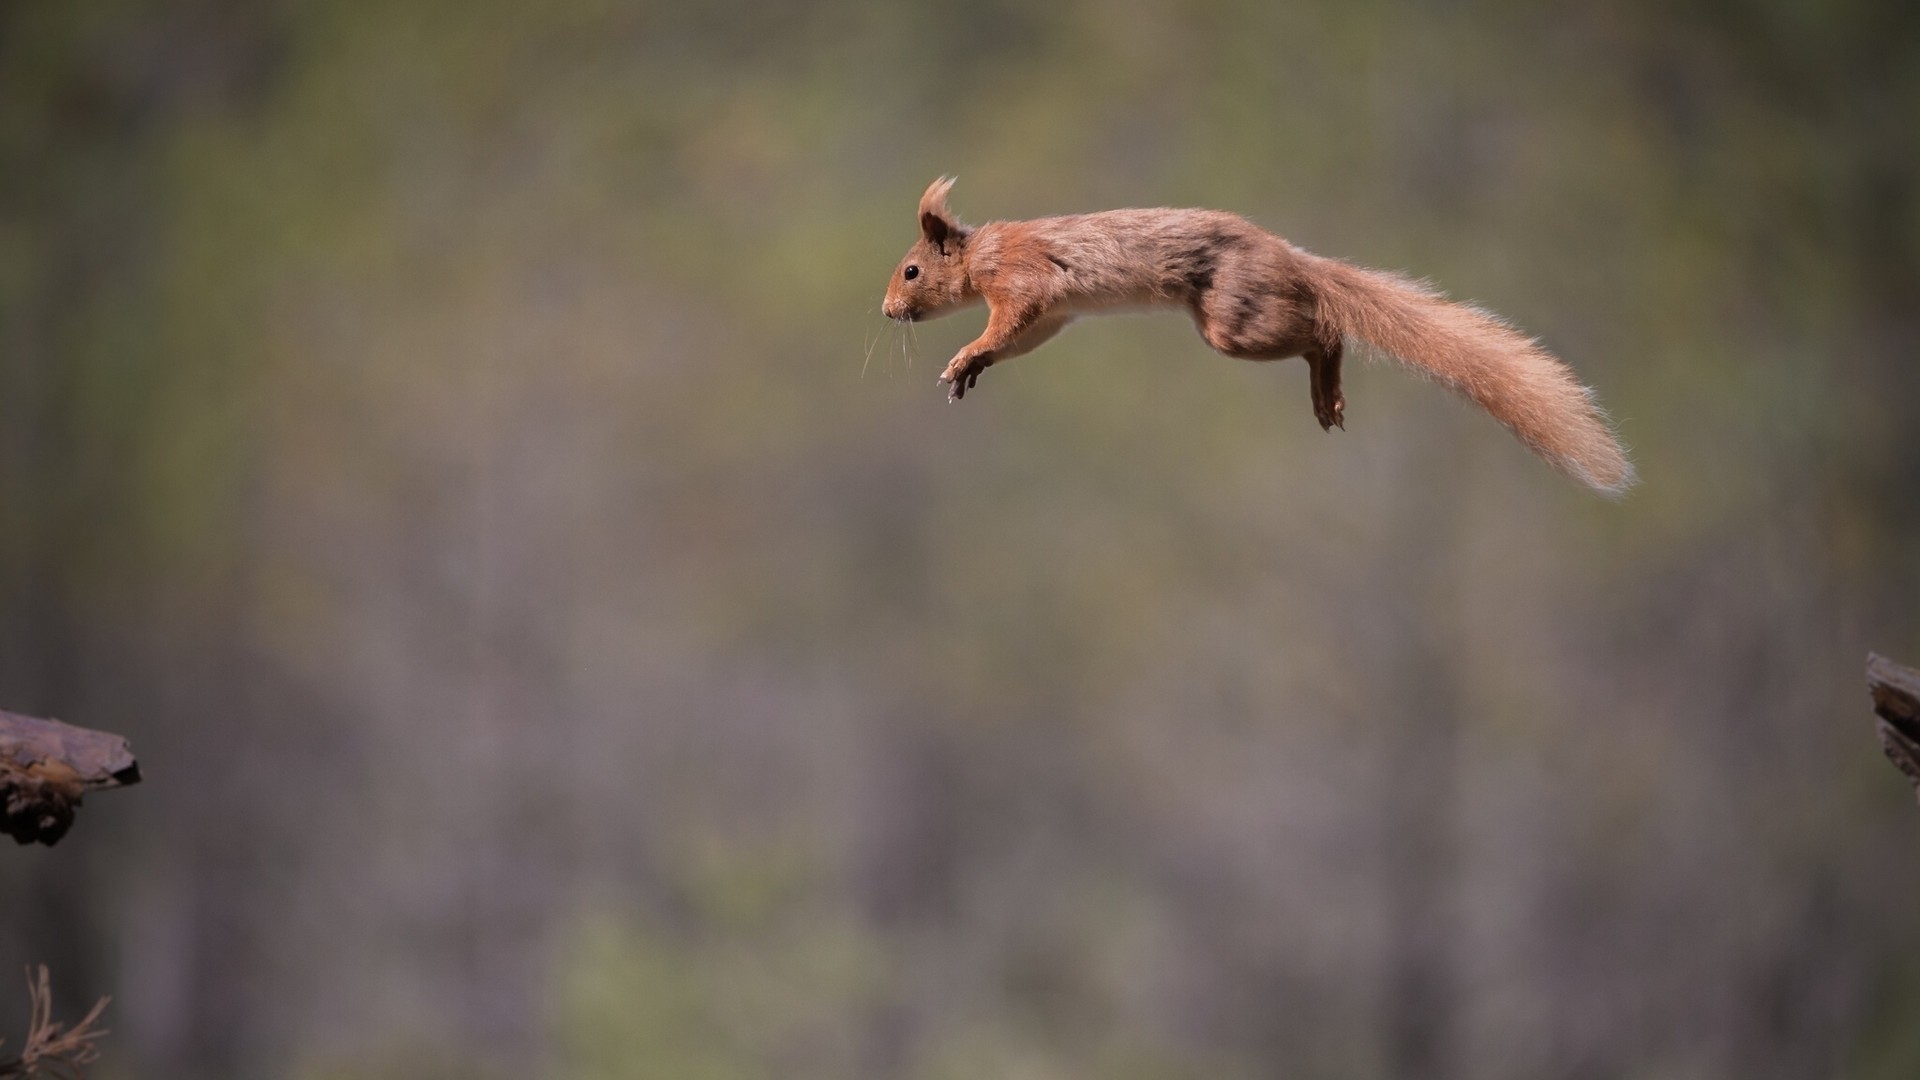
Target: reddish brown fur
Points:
x,y
1253,296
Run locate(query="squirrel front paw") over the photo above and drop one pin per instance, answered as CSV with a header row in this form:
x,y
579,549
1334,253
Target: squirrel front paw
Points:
x,y
963,374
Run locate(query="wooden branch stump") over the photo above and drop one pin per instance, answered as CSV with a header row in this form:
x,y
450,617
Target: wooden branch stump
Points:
x,y
1896,698
46,766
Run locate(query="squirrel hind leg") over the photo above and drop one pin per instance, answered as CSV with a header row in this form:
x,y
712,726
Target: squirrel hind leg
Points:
x,y
1251,324
1329,404
1270,324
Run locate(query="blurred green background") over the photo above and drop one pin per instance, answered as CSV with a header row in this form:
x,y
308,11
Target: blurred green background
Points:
x,y
566,633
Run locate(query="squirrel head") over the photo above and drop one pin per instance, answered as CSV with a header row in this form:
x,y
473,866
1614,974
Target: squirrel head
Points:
x,y
932,279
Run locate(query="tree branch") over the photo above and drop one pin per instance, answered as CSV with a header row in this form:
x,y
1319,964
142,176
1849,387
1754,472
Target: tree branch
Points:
x,y
46,766
1896,698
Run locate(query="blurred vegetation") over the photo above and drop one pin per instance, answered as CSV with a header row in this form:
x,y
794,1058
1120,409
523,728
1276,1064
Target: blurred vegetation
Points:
x,y
567,634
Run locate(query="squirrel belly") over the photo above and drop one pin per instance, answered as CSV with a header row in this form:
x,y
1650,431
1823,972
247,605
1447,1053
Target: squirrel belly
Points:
x,y
1253,296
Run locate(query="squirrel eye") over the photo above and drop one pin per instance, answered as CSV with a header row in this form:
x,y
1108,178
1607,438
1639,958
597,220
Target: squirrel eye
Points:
x,y
910,273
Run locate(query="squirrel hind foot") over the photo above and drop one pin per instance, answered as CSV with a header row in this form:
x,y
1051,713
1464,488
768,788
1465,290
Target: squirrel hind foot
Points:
x,y
1331,414
1329,404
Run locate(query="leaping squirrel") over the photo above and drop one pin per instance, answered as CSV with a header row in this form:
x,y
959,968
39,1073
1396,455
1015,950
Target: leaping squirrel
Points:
x,y
1253,296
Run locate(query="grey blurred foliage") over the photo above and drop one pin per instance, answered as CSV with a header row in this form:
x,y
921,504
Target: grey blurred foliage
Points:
x,y
567,634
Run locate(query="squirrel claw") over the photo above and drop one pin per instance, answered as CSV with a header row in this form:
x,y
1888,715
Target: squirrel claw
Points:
x,y
961,376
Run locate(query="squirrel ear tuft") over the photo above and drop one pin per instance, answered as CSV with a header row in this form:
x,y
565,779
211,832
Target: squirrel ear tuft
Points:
x,y
935,200
937,222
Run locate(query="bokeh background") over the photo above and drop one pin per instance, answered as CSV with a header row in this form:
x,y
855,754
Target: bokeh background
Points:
x,y
566,633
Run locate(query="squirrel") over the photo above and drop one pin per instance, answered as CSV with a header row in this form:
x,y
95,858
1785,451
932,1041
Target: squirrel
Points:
x,y
1253,296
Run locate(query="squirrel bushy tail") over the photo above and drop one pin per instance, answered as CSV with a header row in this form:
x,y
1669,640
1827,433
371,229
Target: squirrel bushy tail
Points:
x,y
1500,369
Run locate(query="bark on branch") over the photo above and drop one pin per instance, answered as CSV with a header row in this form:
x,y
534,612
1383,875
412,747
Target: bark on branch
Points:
x,y
1896,698
46,766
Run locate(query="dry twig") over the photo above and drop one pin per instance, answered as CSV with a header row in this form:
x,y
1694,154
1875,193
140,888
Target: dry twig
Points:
x,y
53,1049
